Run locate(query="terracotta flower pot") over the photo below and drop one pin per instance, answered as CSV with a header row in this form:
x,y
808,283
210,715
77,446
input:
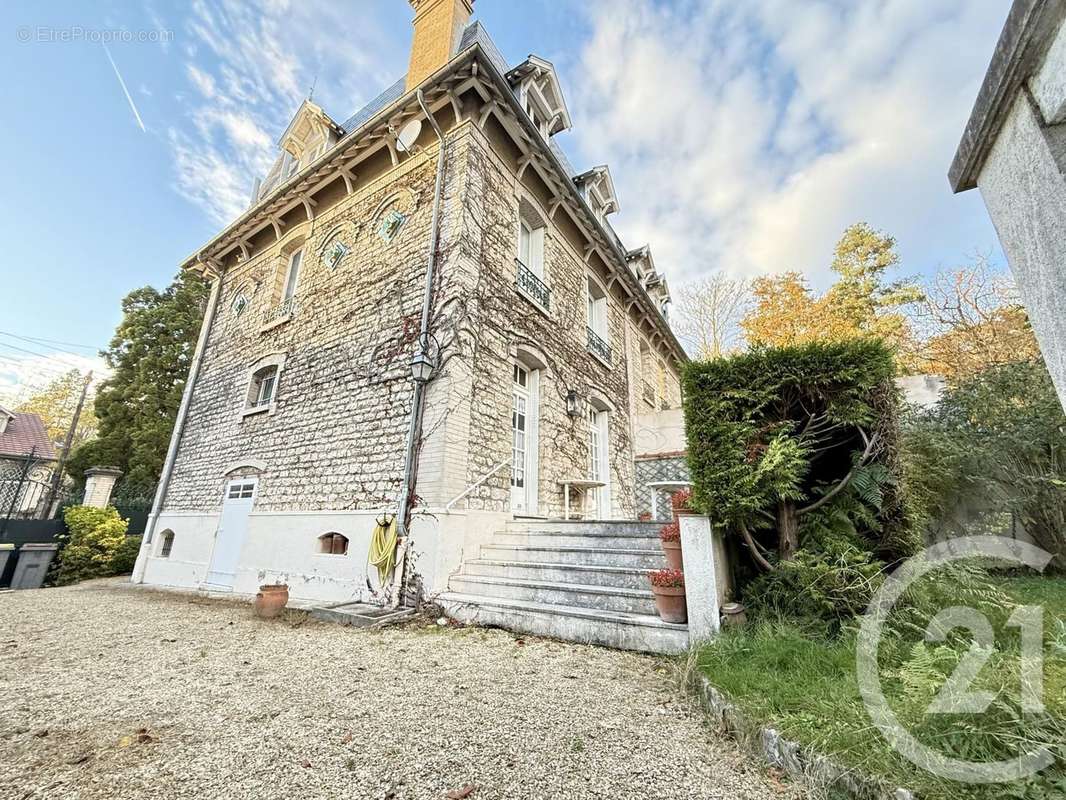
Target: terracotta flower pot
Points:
x,y
271,600
670,603
672,551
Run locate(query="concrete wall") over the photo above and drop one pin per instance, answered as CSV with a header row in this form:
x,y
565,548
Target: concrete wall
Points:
x,y
1023,186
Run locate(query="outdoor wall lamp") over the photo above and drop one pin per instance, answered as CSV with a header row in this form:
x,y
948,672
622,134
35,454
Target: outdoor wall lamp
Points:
x,y
422,367
424,361
573,403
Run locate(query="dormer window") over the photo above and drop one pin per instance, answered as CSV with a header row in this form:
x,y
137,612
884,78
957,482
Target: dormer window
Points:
x,y
537,117
597,188
538,90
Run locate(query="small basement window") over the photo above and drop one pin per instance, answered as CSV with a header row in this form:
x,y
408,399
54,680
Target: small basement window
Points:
x,y
333,544
167,544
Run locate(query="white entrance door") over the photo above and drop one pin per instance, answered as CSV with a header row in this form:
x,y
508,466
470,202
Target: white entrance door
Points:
x,y
232,527
599,464
524,441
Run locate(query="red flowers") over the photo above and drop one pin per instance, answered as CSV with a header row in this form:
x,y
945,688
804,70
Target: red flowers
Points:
x,y
669,578
670,532
680,500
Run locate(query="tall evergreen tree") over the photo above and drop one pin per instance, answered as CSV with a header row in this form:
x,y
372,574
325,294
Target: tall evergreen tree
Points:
x,y
150,355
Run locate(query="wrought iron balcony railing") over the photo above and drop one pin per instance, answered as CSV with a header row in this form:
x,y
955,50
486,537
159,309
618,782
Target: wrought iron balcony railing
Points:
x,y
284,310
533,286
598,347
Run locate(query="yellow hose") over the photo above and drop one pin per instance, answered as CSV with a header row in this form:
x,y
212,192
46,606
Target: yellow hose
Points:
x,y
383,550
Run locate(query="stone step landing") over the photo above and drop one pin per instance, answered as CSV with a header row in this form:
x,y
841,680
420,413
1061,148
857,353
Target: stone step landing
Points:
x,y
579,581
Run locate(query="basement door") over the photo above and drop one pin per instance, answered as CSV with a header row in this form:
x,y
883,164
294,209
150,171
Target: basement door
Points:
x,y
524,457
232,528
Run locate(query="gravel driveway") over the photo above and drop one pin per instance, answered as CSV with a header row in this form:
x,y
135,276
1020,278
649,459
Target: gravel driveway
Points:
x,y
108,691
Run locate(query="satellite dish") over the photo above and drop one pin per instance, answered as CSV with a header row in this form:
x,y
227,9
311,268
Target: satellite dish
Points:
x,y
405,139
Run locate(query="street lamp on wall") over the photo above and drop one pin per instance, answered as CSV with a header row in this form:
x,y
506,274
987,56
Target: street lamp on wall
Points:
x,y
423,362
573,403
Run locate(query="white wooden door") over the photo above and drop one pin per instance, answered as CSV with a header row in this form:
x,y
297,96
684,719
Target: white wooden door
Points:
x,y
599,465
524,456
232,528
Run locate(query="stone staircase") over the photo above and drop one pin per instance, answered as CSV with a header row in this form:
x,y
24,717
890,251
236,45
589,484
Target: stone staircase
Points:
x,y
579,581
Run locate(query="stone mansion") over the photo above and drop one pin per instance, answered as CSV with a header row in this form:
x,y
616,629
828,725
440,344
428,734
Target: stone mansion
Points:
x,y
424,312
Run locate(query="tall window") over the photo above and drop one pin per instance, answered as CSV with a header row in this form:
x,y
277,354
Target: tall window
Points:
x,y
168,544
292,276
519,426
531,247
597,309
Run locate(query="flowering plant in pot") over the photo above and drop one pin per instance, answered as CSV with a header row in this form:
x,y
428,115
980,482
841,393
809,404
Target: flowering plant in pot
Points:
x,y
670,539
669,588
682,500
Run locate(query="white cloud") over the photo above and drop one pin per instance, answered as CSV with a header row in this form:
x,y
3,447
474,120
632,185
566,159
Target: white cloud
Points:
x,y
249,65
747,136
22,375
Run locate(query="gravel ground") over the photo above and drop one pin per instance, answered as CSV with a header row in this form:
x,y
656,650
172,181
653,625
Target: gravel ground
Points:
x,y
112,692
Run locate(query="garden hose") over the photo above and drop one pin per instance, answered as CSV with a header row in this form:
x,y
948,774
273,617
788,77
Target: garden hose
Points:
x,y
383,549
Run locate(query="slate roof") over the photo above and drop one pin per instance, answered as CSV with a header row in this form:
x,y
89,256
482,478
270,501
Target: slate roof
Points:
x,y
23,433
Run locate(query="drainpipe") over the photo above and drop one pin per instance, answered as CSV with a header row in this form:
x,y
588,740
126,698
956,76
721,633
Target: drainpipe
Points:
x,y
179,427
418,400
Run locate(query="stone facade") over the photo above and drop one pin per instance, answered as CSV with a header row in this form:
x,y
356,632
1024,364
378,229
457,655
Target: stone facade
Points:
x,y
325,447
335,437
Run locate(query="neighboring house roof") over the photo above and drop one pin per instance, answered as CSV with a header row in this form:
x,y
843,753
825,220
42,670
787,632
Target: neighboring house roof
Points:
x,y
1026,36
23,433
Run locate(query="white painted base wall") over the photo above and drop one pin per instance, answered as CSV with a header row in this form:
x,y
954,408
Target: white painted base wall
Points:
x,y
282,547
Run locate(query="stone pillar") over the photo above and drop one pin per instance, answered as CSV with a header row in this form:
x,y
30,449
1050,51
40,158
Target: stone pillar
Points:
x,y
698,553
99,481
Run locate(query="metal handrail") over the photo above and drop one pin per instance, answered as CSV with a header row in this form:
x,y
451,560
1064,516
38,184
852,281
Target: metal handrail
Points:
x,y
529,282
598,346
471,487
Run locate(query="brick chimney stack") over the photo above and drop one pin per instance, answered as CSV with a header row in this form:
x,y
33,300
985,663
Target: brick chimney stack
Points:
x,y
438,28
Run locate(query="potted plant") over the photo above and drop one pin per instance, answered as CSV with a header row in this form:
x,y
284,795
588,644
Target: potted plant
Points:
x,y
681,501
271,600
670,539
669,588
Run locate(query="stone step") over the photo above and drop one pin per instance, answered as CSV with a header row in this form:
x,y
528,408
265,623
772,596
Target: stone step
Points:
x,y
622,577
622,527
575,539
588,556
604,598
644,633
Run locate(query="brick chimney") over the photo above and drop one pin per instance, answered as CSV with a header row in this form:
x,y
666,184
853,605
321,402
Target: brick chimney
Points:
x,y
438,27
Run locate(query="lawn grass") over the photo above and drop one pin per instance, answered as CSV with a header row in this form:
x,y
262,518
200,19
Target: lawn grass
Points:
x,y
805,686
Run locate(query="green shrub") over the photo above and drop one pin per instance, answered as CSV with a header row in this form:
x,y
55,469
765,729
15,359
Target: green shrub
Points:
x,y
823,590
996,442
126,555
96,536
793,445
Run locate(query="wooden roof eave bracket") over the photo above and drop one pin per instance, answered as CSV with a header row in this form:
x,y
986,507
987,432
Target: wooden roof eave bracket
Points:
x,y
309,206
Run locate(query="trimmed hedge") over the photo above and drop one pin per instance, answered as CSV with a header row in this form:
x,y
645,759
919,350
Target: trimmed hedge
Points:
x,y
776,428
97,535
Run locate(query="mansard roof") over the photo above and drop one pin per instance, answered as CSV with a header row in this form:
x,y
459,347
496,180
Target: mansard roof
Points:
x,y
477,66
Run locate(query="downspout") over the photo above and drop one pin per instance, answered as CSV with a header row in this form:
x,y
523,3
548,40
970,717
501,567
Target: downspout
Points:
x,y
414,430
179,427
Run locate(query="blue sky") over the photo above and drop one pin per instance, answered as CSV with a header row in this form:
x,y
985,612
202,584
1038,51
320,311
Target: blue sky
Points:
x,y
741,136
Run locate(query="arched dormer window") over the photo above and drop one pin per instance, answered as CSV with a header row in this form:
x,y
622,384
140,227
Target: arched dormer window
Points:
x,y
333,544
